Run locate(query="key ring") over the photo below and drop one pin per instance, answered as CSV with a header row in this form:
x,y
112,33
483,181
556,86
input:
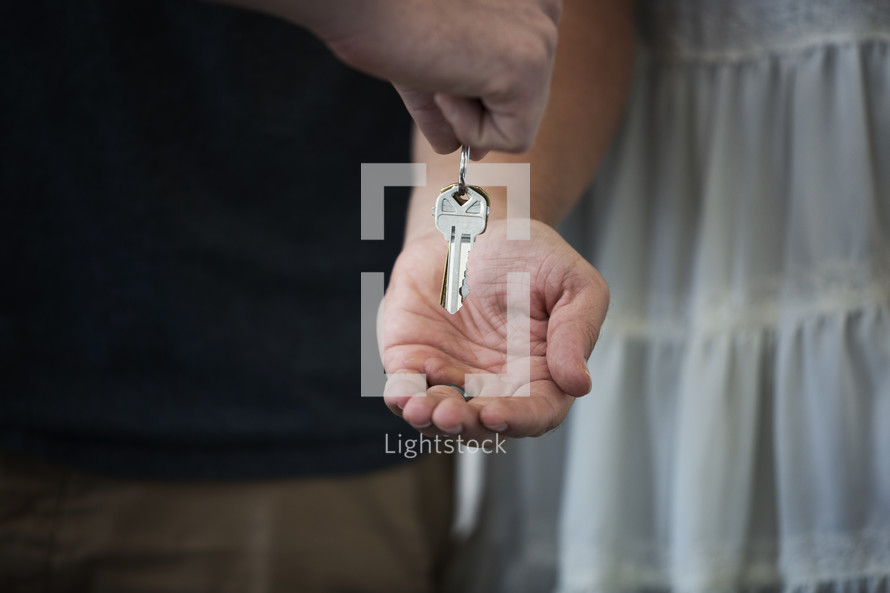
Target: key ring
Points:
x,y
462,174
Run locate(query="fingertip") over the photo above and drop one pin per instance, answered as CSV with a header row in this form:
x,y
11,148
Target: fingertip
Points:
x,y
416,416
430,120
394,407
494,418
452,430
418,411
465,116
452,415
569,346
477,154
402,386
441,144
575,380
502,427
580,383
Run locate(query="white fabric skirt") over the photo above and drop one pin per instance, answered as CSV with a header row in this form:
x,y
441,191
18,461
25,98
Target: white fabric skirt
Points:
x,y
738,433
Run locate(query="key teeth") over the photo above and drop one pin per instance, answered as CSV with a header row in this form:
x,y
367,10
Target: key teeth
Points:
x,y
464,287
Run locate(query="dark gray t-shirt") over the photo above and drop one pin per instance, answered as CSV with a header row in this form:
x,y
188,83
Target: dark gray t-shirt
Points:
x,y
181,253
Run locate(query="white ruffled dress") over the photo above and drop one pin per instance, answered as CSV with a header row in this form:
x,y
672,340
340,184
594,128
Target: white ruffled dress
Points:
x,y
737,437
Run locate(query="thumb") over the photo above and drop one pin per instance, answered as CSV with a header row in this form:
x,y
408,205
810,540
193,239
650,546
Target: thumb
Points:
x,y
573,330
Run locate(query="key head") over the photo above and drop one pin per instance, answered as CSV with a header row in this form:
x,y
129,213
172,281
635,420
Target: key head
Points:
x,y
464,215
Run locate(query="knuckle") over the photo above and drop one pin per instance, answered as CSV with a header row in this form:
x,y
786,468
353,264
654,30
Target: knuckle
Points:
x,y
598,285
542,39
553,9
537,52
550,38
597,279
593,335
517,137
522,141
527,138
533,49
601,285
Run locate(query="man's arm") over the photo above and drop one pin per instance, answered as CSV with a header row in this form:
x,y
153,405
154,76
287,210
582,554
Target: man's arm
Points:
x,y
470,71
568,299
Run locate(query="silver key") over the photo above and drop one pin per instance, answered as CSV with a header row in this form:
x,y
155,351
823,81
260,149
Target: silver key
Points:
x,y
460,218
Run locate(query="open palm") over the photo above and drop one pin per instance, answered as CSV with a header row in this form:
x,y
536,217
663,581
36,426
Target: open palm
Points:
x,y
564,311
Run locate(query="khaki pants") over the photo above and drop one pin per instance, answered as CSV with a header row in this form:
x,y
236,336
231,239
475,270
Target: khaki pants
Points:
x,y
65,531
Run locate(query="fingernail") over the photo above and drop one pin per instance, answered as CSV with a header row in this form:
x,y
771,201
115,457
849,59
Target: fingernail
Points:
x,y
589,378
420,426
499,428
399,406
453,431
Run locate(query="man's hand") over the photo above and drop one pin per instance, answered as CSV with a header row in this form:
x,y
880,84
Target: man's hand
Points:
x,y
473,72
492,61
568,304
